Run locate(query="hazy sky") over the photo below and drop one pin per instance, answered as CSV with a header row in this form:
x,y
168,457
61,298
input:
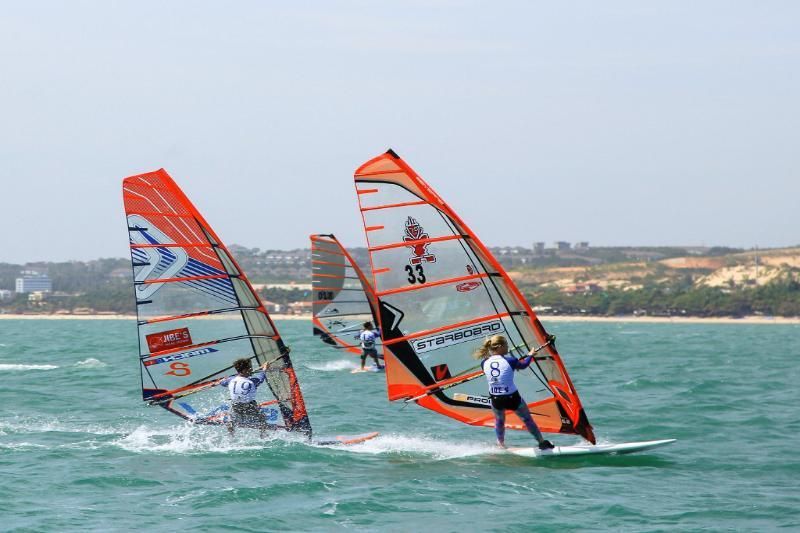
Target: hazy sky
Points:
x,y
611,122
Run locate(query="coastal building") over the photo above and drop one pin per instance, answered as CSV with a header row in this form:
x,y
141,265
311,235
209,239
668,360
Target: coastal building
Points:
x,y
562,245
5,294
272,307
36,297
581,288
33,282
299,308
538,248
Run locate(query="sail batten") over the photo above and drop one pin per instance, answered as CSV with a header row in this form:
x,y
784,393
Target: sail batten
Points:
x,y
440,293
197,311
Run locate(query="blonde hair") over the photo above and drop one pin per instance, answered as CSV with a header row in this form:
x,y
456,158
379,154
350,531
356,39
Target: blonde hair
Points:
x,y
490,345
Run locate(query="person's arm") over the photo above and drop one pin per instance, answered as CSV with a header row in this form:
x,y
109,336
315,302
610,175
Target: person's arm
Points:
x,y
224,381
519,364
259,377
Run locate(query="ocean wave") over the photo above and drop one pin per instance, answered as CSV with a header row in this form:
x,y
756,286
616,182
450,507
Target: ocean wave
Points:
x,y
50,425
20,446
16,367
332,366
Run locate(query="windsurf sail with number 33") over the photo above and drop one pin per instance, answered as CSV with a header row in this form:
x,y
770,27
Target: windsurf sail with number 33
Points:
x,y
197,312
440,293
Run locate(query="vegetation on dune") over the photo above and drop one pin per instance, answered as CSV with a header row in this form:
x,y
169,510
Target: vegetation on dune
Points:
x,y
780,298
710,282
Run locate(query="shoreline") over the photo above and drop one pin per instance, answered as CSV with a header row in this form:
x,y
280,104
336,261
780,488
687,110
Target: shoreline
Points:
x,y
543,318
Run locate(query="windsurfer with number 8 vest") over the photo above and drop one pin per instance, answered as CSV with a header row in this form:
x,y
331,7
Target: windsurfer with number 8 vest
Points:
x,y
368,336
243,386
499,366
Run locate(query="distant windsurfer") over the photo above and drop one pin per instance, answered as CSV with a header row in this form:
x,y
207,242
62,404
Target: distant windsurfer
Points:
x,y
243,386
368,336
499,366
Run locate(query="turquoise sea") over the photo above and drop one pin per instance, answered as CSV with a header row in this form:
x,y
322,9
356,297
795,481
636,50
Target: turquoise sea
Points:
x,y
79,450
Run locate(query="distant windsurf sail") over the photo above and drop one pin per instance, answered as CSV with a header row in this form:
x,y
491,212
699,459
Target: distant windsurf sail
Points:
x,y
440,293
197,312
343,299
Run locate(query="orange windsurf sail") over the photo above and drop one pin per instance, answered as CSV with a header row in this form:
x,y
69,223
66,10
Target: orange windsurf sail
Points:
x,y
440,293
197,311
343,299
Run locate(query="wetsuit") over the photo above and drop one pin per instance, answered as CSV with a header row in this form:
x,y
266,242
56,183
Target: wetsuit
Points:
x,y
368,338
499,371
244,408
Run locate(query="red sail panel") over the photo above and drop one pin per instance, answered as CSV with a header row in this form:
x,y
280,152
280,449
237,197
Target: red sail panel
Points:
x,y
342,297
197,311
440,293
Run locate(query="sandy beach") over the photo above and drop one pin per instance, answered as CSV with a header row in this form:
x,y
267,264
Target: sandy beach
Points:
x,y
543,318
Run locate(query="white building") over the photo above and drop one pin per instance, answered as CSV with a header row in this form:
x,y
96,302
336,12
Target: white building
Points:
x,y
31,282
5,294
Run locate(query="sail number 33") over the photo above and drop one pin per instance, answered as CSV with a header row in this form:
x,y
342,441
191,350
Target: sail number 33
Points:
x,y
415,274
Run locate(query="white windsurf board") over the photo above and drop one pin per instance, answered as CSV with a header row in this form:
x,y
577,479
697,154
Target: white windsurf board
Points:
x,y
367,369
591,449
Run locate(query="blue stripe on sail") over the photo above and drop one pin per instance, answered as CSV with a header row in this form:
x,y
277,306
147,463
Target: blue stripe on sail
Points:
x,y
222,287
138,255
217,288
165,256
166,252
197,286
191,272
203,266
216,296
196,268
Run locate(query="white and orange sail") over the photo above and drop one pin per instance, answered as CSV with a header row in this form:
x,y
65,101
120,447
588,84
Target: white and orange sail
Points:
x,y
343,298
440,293
197,311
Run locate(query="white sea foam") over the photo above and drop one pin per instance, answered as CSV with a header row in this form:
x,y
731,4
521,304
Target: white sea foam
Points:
x,y
189,439
91,363
333,366
412,445
11,367
20,445
49,425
